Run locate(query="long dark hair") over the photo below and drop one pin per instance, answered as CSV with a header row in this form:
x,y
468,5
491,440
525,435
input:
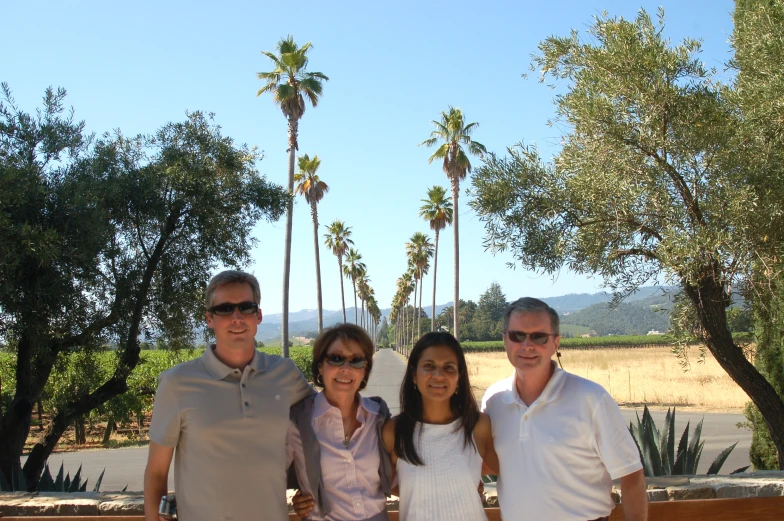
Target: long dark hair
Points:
x,y
463,404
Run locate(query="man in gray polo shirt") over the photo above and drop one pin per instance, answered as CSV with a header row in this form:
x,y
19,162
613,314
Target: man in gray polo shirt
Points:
x,y
226,414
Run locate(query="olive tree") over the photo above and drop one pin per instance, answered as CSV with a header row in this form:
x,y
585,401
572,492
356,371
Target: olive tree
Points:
x,y
758,41
650,183
104,240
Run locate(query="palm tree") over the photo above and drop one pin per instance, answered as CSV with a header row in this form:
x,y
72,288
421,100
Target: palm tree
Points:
x,y
419,249
338,239
366,294
405,285
437,211
313,189
353,269
289,82
455,135
375,315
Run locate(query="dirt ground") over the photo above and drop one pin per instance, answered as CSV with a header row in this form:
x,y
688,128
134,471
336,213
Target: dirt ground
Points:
x,y
651,376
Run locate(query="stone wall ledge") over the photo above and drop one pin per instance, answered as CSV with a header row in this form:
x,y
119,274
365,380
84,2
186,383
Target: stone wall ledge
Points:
x,y
763,483
664,488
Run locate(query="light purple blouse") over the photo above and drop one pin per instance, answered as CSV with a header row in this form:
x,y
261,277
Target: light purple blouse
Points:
x,y
351,480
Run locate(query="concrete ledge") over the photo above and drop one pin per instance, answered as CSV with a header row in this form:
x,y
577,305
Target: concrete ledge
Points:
x,y
764,483
760,484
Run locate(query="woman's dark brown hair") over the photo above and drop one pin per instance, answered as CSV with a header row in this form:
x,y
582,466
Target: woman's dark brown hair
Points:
x,y
342,332
462,403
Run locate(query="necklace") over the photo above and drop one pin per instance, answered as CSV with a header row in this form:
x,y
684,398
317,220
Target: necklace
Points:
x,y
346,441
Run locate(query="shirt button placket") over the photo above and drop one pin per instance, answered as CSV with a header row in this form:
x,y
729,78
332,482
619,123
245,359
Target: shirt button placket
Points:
x,y
243,396
525,425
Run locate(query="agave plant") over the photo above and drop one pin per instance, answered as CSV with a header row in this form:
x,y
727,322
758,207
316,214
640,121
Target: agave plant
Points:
x,y
47,483
657,449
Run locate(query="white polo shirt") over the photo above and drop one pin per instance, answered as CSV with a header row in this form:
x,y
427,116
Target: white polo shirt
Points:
x,y
559,456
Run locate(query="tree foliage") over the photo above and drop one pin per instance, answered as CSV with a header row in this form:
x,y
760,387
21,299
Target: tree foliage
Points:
x,y
758,42
651,182
105,242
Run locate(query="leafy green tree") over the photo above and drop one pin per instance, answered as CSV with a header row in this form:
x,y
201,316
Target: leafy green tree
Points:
x,y
290,83
313,189
758,41
649,183
437,211
455,136
338,239
492,303
382,337
104,242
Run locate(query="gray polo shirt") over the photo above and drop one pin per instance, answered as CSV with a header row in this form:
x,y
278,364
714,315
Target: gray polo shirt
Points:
x,y
229,429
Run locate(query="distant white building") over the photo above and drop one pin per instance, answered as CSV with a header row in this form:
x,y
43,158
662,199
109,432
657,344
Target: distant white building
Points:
x,y
654,332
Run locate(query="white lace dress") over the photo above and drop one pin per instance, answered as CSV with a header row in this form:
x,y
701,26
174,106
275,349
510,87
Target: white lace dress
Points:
x,y
445,487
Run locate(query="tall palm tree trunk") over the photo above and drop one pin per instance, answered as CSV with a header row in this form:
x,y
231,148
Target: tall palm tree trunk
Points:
x,y
314,214
342,293
284,325
405,323
354,283
435,271
455,194
419,312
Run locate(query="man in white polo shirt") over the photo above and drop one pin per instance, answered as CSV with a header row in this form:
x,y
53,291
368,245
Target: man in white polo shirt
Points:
x,y
560,439
227,415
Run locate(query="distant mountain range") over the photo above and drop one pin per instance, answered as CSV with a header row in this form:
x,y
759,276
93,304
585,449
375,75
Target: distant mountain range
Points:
x,y
645,310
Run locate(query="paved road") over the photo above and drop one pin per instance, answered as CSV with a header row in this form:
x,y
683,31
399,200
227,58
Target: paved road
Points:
x,y
126,466
388,370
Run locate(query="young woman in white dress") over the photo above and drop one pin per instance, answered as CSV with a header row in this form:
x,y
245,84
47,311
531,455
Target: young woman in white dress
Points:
x,y
439,440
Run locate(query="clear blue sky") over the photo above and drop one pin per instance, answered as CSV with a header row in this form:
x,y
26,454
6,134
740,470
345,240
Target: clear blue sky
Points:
x,y
393,66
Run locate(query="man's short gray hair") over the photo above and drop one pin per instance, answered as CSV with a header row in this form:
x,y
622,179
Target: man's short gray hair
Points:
x,y
532,305
231,277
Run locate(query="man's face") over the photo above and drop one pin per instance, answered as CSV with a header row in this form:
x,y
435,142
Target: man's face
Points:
x,y
237,330
526,356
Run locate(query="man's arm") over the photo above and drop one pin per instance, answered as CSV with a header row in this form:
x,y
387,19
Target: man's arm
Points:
x,y
634,496
156,479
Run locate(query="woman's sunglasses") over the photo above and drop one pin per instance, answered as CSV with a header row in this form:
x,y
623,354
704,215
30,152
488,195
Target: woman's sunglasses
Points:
x,y
536,338
227,308
338,361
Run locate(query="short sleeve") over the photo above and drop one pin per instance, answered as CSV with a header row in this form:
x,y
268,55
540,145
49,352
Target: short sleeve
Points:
x,y
485,398
616,446
165,424
293,443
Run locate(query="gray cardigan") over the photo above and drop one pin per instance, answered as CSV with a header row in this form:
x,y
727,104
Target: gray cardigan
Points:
x,y
300,415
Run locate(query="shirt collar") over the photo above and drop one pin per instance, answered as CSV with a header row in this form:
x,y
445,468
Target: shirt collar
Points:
x,y
218,370
549,393
321,406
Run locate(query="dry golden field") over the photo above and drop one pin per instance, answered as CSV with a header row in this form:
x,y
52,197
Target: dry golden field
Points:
x,y
651,376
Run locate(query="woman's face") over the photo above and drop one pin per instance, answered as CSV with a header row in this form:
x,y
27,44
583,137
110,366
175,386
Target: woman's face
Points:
x,y
343,379
437,373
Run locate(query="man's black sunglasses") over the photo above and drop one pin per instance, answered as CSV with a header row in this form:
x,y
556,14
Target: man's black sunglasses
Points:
x,y
338,361
536,338
227,308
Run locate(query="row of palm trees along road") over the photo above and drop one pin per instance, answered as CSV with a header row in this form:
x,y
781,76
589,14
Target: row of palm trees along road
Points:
x,y
291,84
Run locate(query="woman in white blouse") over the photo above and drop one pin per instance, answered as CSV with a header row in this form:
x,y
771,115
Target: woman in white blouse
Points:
x,y
342,469
439,440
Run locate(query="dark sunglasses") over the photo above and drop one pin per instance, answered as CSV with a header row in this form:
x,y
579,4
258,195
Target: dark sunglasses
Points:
x,y
338,361
536,338
227,308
